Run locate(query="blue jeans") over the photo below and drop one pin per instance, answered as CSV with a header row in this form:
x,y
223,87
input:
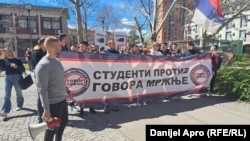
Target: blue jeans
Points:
x,y
12,80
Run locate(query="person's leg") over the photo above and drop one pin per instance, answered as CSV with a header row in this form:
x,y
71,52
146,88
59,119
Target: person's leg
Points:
x,y
18,89
7,94
81,105
49,134
31,65
106,108
55,111
212,82
92,110
64,118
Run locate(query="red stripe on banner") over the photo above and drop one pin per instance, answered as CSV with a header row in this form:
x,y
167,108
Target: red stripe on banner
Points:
x,y
139,96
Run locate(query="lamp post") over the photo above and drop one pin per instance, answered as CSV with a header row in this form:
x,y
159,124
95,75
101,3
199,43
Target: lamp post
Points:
x,y
103,20
28,8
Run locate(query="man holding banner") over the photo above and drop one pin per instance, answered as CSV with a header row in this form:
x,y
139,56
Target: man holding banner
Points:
x,y
111,49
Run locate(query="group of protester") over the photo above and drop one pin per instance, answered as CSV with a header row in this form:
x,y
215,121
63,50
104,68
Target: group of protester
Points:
x,y
49,75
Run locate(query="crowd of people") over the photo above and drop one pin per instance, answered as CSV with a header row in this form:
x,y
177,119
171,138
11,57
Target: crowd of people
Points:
x,y
164,49
49,74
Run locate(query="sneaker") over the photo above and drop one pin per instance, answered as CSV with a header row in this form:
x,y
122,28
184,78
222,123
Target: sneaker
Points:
x,y
106,110
18,109
92,110
3,114
203,95
81,112
115,108
176,98
210,94
128,106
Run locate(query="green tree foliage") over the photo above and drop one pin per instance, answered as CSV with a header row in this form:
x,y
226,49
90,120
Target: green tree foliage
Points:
x,y
234,81
133,37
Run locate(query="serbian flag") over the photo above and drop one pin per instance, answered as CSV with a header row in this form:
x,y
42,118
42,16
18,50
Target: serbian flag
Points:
x,y
208,15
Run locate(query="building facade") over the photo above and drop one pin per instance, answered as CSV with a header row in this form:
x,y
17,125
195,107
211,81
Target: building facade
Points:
x,y
21,27
174,26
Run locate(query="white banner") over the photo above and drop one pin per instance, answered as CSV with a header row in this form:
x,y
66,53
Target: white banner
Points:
x,y
120,38
101,77
100,38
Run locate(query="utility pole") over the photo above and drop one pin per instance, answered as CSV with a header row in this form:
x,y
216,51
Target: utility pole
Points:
x,y
28,8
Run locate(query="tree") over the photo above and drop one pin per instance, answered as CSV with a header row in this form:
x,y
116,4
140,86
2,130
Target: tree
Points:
x,y
140,27
133,37
87,10
77,4
150,10
110,16
82,10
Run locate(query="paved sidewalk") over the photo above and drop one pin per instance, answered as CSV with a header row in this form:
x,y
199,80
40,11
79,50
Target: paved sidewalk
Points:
x,y
129,123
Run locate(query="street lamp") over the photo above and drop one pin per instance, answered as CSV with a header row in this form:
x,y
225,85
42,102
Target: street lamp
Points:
x,y
103,20
28,8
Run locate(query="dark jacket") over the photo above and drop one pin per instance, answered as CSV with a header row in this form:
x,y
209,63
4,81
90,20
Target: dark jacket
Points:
x,y
65,48
215,60
37,55
112,51
189,52
5,65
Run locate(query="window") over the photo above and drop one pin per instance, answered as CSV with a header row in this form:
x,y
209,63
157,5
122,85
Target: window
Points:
x,y
5,21
228,35
229,26
51,23
22,22
27,22
196,37
243,21
33,24
243,34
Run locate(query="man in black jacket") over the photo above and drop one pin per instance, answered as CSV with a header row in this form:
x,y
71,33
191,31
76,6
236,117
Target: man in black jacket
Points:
x,y
190,50
37,55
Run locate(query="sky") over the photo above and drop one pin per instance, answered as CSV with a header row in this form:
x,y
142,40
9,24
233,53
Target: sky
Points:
x,y
116,4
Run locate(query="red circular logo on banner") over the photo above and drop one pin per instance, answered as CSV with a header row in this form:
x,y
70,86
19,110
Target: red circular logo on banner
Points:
x,y
200,75
77,81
